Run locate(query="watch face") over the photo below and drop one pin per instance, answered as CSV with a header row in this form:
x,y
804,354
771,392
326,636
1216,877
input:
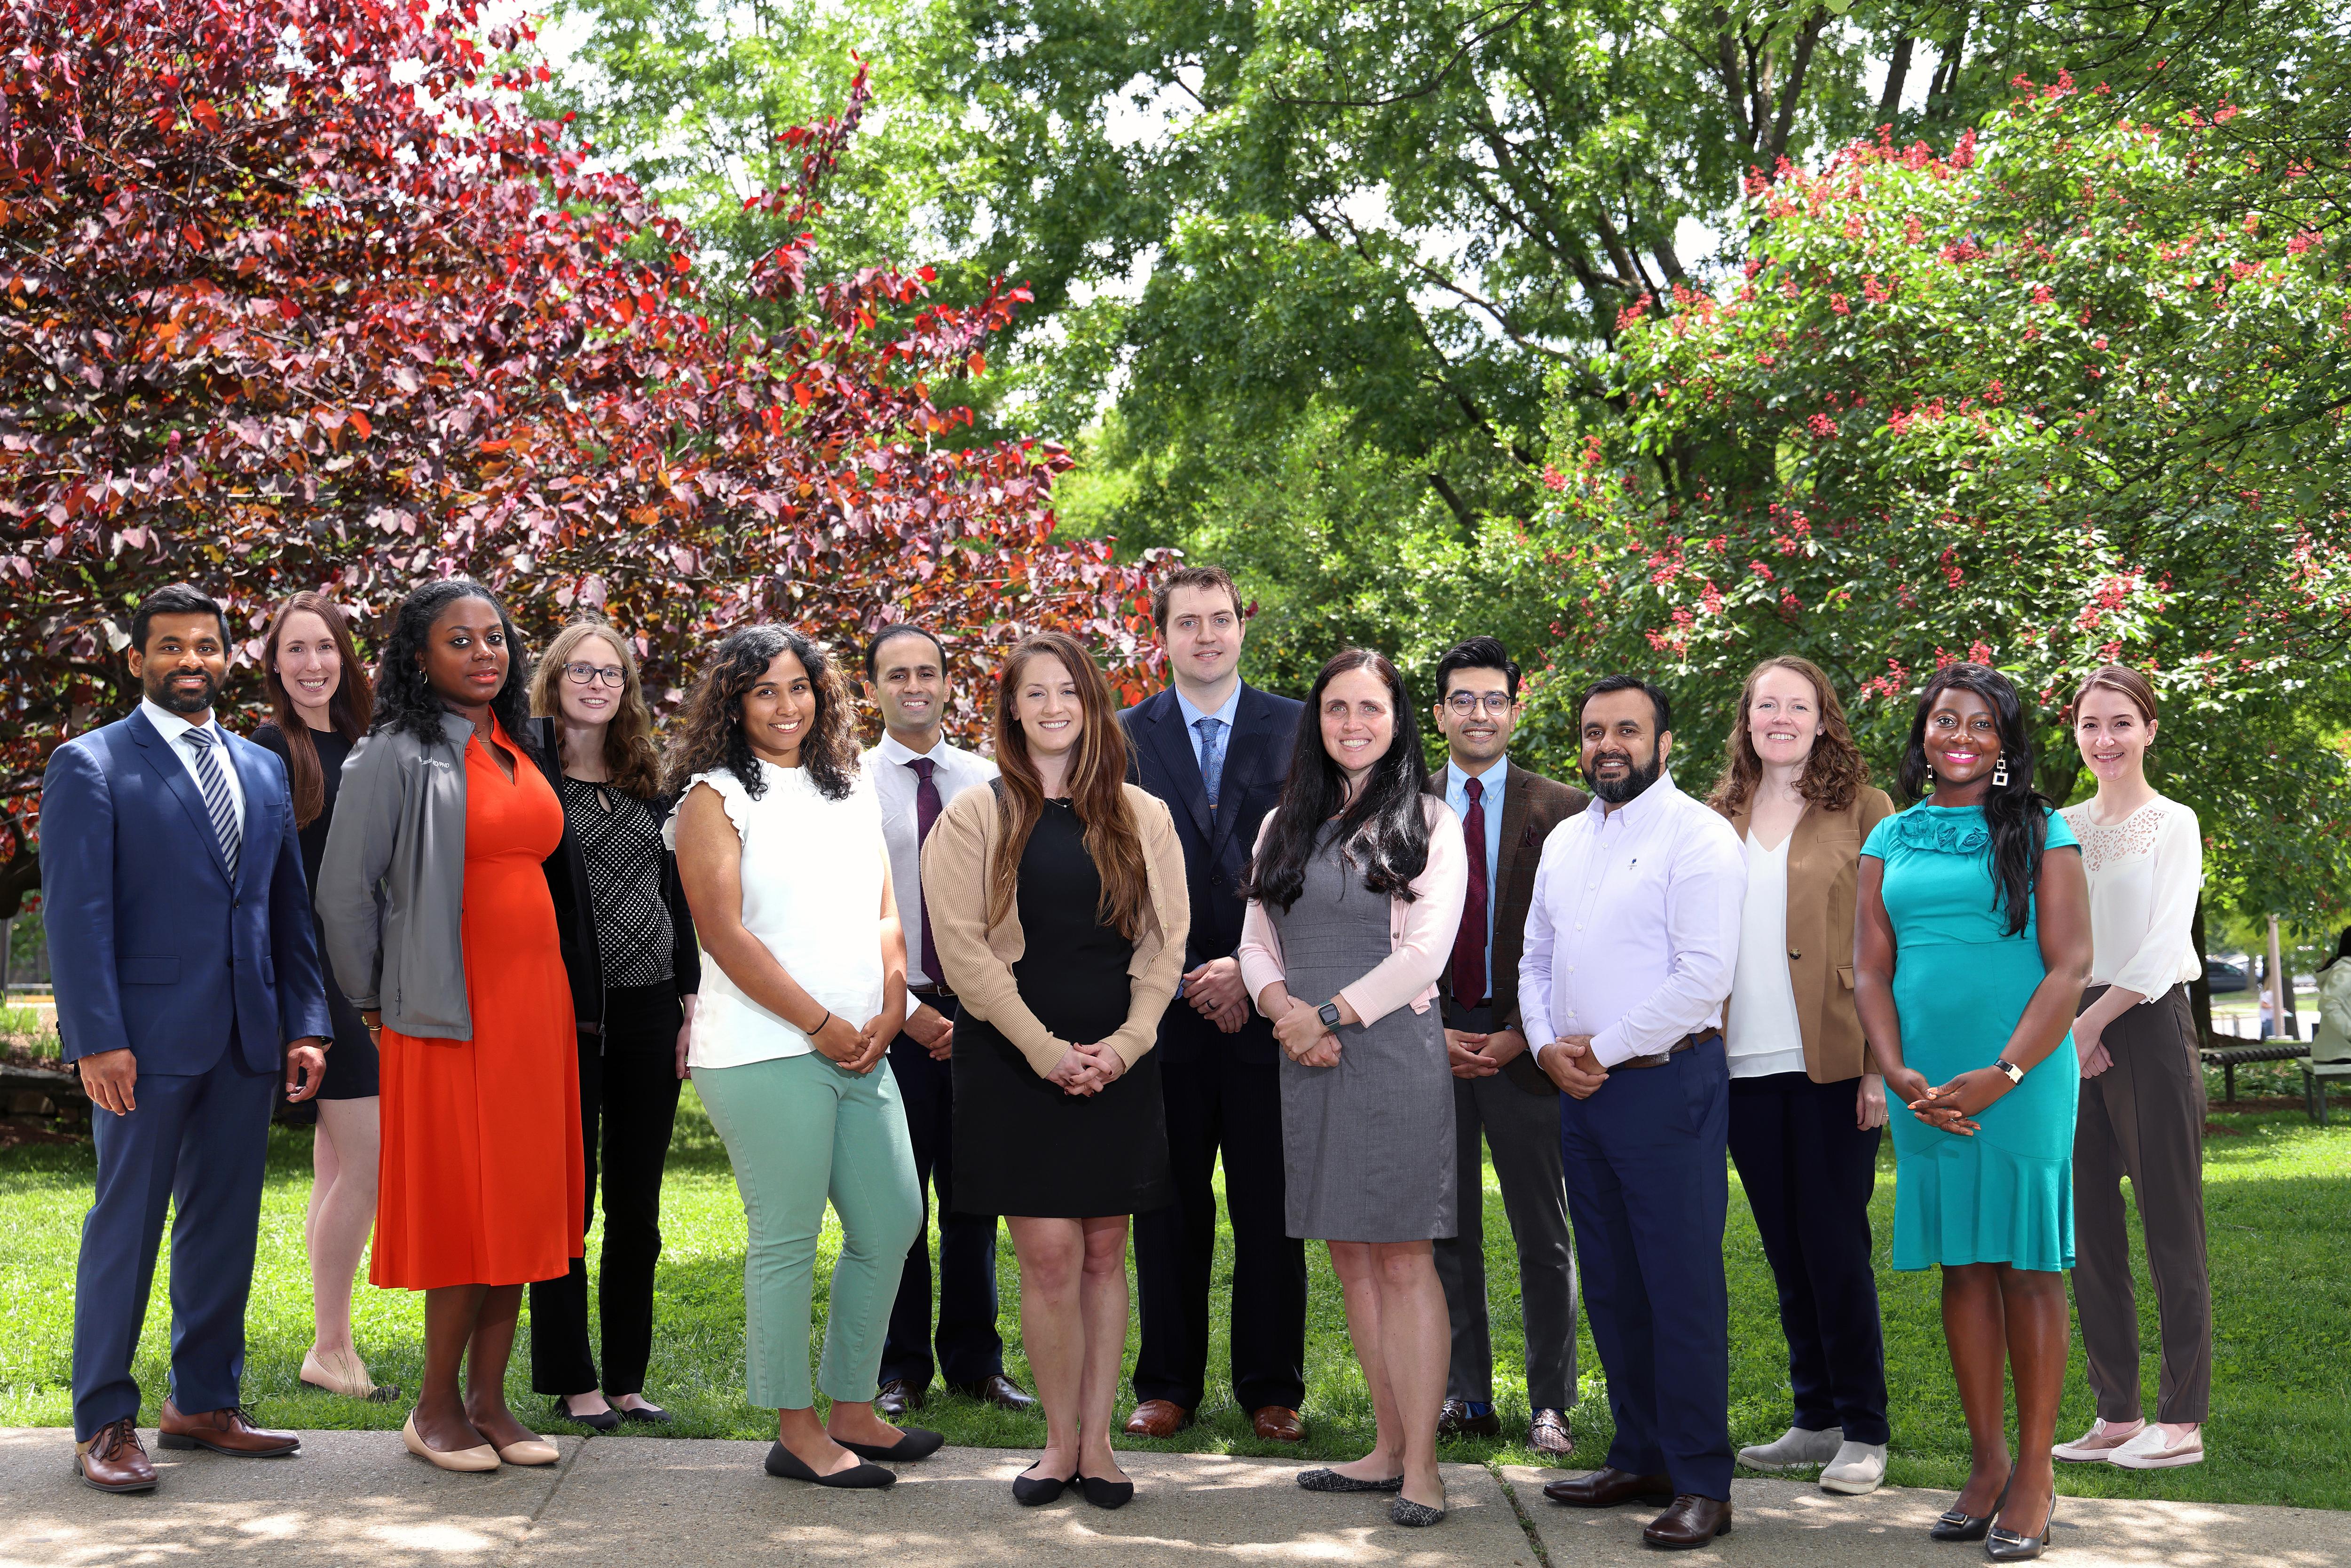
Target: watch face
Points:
x,y
1328,1013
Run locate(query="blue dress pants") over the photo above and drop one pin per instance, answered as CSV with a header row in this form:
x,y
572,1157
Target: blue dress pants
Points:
x,y
196,1146
1648,1191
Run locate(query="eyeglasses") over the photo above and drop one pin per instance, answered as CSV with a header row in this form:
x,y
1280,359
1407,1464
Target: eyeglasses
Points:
x,y
588,675
1468,703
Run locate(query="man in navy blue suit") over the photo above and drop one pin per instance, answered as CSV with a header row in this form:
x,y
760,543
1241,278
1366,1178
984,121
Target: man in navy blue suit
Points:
x,y
1216,751
185,962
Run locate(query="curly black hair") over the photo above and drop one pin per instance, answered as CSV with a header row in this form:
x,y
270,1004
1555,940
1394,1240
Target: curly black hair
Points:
x,y
406,703
709,735
2016,813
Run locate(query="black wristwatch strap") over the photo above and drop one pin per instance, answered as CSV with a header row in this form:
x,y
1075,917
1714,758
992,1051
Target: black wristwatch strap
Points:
x,y
2009,1069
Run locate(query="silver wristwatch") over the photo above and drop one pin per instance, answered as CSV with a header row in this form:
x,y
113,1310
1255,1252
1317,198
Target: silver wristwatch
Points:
x,y
2015,1074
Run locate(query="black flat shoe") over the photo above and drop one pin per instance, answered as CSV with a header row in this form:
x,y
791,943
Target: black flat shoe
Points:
x,y
649,1415
2007,1546
1030,1490
785,1465
914,1443
1332,1480
1104,1493
1954,1524
602,1421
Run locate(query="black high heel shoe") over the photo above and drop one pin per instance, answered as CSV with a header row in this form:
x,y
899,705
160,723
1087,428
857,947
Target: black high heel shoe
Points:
x,y
1105,1493
1955,1524
2007,1546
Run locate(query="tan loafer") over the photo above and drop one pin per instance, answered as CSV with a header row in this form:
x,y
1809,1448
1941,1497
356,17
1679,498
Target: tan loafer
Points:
x,y
474,1460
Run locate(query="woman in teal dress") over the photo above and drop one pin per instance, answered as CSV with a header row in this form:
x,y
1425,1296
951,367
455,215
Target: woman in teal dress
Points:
x,y
1970,950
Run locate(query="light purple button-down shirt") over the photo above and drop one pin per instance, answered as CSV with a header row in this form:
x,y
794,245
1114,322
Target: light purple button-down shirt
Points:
x,y
1633,936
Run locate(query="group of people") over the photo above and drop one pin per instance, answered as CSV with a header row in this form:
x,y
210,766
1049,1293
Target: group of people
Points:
x,y
1064,986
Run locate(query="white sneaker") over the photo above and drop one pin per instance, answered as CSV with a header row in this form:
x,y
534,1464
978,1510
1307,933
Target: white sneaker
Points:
x,y
1858,1469
2097,1445
2149,1450
1795,1447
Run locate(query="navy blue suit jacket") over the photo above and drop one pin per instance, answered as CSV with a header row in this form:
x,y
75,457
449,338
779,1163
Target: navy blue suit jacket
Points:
x,y
152,946
1215,849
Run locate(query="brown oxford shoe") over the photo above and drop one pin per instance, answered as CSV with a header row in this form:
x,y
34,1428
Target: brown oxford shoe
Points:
x,y
1605,1487
1278,1424
1691,1521
1157,1419
113,1461
998,1390
229,1431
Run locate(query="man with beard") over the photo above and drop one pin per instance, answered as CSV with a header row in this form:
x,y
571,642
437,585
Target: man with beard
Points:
x,y
185,962
1631,942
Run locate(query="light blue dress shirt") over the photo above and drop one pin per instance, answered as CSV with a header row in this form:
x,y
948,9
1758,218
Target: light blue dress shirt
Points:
x,y
1193,715
1494,780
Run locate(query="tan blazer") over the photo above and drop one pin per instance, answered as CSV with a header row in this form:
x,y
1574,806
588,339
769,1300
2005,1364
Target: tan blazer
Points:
x,y
1824,865
979,958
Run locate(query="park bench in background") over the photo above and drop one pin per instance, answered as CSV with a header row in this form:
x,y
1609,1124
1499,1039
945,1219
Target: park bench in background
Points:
x,y
2314,1085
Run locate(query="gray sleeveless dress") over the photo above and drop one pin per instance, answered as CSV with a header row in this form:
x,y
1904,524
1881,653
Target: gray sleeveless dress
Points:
x,y
1367,1145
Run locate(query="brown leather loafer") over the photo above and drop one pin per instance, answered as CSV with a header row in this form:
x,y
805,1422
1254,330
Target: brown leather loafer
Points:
x,y
1549,1434
1691,1521
897,1396
998,1390
228,1431
1278,1424
113,1461
1454,1420
1157,1419
1605,1487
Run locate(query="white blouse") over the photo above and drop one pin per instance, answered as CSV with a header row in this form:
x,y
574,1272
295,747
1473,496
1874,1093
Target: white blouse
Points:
x,y
2145,873
813,874
1762,1033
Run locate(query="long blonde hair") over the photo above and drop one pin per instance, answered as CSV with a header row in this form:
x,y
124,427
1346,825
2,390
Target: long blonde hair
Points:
x,y
630,755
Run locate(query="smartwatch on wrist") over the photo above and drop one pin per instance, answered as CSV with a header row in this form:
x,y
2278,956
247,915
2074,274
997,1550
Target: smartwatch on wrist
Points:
x,y
1328,1013
2014,1073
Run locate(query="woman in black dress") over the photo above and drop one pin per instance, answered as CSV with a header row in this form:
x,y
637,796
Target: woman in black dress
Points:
x,y
318,691
1058,907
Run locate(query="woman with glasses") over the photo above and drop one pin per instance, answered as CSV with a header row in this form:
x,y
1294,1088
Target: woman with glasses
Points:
x,y
634,969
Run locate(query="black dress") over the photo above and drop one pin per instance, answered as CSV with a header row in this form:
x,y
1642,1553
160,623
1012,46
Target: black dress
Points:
x,y
351,1064
1022,1146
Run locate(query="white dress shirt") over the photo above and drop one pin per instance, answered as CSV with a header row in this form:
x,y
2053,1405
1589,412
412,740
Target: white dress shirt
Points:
x,y
1634,933
1761,1031
171,727
956,770
2144,872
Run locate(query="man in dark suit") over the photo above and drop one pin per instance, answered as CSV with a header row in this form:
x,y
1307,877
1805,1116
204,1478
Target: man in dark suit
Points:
x,y
185,962
1216,751
1499,1095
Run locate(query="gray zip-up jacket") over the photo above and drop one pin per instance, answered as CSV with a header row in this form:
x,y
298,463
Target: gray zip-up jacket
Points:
x,y
392,886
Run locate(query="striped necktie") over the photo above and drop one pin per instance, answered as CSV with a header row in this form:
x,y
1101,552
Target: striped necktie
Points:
x,y
218,801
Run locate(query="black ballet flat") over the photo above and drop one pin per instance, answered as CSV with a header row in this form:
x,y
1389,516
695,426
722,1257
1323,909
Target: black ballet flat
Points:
x,y
2007,1546
649,1415
603,1420
1035,1491
1954,1524
914,1443
785,1465
1105,1493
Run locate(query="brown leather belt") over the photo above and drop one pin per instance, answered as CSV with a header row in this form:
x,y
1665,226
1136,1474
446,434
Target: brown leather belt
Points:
x,y
1687,1043
939,996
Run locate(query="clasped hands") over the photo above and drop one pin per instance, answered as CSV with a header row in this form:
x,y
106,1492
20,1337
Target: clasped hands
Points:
x,y
1953,1106
1086,1069
1569,1063
1481,1055
858,1050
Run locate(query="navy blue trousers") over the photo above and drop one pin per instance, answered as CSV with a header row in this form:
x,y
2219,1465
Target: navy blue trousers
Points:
x,y
1647,1190
969,1348
194,1147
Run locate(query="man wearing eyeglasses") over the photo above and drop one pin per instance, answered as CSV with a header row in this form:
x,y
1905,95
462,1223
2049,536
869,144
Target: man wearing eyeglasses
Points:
x,y
1499,1093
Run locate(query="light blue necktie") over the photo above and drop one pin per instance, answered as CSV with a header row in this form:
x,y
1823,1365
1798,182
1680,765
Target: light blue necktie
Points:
x,y
218,802
1212,756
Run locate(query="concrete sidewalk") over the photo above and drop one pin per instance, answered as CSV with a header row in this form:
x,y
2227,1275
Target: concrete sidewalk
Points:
x,y
358,1498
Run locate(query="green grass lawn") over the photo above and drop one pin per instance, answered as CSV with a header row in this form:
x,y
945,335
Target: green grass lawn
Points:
x,y
2278,1192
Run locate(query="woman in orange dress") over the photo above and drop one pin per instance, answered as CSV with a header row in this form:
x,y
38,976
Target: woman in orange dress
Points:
x,y
442,929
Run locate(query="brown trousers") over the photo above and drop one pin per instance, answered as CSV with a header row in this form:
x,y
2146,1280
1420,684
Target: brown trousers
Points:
x,y
2144,1118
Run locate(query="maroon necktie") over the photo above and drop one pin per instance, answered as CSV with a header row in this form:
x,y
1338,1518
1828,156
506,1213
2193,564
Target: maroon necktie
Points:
x,y
926,813
1470,942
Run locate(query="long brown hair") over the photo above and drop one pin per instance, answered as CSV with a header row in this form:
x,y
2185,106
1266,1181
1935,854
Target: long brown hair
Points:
x,y
1834,774
347,710
630,755
1096,782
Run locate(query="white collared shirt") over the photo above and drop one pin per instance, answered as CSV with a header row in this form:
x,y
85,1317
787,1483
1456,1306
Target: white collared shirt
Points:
x,y
957,770
171,727
1633,937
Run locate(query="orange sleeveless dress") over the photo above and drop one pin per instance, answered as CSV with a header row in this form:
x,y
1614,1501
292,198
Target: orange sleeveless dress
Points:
x,y
481,1176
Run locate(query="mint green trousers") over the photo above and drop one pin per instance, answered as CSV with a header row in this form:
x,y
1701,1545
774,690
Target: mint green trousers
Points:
x,y
798,1131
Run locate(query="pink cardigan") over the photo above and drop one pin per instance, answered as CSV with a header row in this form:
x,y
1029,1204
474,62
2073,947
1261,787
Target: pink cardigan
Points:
x,y
1420,931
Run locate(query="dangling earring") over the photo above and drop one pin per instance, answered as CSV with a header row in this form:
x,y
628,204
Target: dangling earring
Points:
x,y
1930,773
2000,772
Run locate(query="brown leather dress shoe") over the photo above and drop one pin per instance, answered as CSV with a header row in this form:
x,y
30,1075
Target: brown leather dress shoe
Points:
x,y
113,1460
1278,1424
1157,1419
897,1396
1691,1521
998,1390
1454,1420
229,1431
1549,1434
1605,1487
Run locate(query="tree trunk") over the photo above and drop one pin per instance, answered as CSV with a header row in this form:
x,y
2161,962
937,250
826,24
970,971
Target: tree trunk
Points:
x,y
2199,990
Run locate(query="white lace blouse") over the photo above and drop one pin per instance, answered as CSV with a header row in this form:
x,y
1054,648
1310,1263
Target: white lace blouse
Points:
x,y
2145,873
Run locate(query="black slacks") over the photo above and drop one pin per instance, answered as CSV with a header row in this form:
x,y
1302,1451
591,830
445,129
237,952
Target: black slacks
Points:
x,y
628,1091
1216,1102
969,1348
1809,1172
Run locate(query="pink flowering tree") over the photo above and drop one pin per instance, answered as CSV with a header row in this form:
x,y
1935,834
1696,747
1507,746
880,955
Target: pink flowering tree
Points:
x,y
2064,393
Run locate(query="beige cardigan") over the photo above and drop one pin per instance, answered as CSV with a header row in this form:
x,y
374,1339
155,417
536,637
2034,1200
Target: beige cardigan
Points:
x,y
979,958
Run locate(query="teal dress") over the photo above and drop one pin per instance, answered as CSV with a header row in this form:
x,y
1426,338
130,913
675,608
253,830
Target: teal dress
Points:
x,y
1960,984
